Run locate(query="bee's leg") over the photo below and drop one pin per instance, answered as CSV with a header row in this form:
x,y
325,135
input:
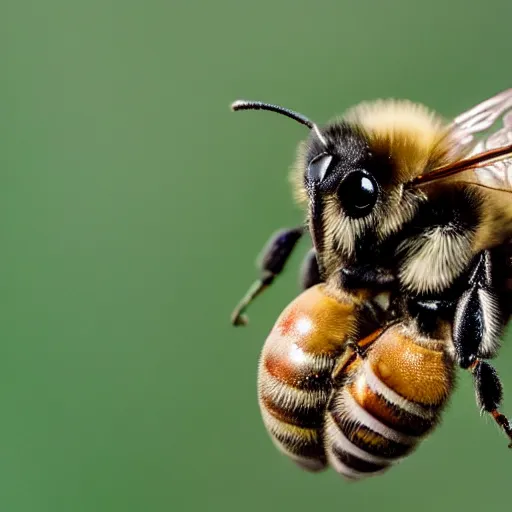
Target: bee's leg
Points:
x,y
478,321
310,271
489,393
271,263
365,276
477,327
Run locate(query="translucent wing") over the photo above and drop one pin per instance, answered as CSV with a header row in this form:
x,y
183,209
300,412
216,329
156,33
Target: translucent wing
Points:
x,y
498,174
481,118
488,158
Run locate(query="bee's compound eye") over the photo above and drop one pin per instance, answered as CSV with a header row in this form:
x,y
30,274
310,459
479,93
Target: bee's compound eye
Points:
x,y
358,193
318,167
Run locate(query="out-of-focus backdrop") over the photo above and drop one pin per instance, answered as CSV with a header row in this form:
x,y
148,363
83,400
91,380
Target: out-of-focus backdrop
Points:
x,y
133,204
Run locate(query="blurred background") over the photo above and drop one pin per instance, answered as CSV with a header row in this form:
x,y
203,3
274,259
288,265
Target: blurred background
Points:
x,y
133,204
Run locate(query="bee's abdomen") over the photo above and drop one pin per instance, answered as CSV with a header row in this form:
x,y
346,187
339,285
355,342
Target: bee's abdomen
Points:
x,y
294,378
294,415
389,402
361,440
293,388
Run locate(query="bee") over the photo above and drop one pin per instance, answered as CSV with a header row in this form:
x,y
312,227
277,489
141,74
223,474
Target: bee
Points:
x,y
409,277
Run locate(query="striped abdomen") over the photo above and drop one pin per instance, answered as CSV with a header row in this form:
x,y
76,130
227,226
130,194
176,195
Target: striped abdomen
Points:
x,y
294,380
390,399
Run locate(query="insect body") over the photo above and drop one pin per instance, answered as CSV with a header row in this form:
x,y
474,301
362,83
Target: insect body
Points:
x,y
397,201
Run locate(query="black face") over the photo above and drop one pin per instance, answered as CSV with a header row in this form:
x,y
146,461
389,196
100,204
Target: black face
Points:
x,y
345,167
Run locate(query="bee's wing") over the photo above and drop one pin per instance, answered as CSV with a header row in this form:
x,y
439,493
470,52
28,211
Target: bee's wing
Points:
x,y
498,174
469,131
480,118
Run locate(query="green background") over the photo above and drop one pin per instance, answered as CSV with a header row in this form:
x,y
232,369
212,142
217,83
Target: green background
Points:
x,y
132,206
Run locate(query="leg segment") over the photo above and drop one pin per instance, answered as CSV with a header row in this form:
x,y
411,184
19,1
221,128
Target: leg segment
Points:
x,y
489,393
477,327
478,322
271,264
365,276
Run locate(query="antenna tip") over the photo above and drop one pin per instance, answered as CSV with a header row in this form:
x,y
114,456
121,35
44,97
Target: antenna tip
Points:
x,y
238,105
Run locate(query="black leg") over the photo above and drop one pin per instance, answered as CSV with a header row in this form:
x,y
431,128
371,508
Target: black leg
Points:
x,y
477,328
271,263
489,394
365,276
310,271
478,322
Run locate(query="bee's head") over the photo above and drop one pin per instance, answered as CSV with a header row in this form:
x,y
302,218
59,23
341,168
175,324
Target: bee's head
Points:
x,y
353,173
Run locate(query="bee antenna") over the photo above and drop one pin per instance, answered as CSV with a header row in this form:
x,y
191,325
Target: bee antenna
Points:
x,y
259,105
